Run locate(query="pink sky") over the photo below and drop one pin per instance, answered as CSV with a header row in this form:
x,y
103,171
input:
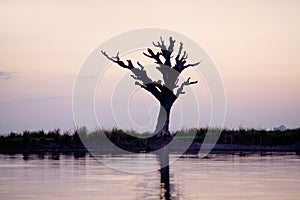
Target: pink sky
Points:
x,y
255,46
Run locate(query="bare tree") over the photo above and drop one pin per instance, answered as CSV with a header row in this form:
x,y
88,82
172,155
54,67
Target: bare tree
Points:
x,y
166,91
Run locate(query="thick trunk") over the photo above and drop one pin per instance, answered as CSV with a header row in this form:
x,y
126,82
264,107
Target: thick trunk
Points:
x,y
162,126
163,120
166,100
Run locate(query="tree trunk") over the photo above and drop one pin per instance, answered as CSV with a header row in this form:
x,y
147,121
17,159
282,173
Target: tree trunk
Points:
x,y
163,120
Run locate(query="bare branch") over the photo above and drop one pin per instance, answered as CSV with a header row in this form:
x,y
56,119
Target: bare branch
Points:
x,y
181,63
165,52
171,46
111,58
154,56
193,64
179,51
138,74
160,44
117,60
184,56
185,83
181,60
141,66
161,89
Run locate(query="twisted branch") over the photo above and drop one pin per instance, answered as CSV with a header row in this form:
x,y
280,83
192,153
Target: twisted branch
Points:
x,y
139,74
160,44
170,78
116,59
154,56
181,60
185,83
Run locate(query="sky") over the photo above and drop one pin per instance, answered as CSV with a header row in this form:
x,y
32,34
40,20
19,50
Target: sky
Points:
x,y
255,46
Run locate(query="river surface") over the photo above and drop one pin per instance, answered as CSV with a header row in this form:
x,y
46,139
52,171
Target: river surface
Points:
x,y
216,177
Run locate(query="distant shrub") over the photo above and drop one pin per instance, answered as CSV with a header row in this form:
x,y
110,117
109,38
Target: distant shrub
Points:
x,y
73,139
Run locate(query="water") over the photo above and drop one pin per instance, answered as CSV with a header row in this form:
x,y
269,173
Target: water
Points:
x,y
218,177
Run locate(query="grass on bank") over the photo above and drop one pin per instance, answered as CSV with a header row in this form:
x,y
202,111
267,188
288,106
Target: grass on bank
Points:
x,y
54,138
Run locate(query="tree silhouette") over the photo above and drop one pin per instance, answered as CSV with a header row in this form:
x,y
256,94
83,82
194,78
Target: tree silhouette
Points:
x,y
166,91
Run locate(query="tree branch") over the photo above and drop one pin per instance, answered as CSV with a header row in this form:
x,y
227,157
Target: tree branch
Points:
x,y
185,83
179,51
154,56
139,74
181,60
160,44
166,52
171,46
170,73
117,60
164,67
193,64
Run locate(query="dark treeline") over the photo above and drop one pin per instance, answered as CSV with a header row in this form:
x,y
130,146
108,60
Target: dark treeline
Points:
x,y
254,137
59,141
40,141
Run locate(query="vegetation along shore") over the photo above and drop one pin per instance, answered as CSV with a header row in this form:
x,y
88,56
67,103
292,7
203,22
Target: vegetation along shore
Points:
x,y
229,141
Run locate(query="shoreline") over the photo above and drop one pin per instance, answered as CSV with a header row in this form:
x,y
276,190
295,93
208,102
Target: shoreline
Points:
x,y
78,142
193,149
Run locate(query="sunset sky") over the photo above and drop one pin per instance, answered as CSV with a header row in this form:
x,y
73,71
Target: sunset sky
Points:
x,y
255,46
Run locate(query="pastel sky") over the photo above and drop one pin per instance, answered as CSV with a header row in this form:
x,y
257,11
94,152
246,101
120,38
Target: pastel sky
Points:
x,y
255,46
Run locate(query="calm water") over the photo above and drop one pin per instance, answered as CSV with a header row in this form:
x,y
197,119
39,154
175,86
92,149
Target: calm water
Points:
x,y
218,177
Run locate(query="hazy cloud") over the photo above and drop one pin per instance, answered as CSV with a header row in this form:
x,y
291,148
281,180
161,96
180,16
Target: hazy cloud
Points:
x,y
37,99
7,75
43,99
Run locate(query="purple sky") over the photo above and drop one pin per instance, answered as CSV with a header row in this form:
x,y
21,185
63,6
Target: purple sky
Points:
x,y
254,44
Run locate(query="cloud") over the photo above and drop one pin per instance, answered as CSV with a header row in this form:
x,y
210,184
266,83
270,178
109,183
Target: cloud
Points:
x,y
43,99
37,99
7,75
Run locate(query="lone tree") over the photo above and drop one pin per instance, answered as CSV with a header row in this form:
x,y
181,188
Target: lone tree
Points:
x,y
166,91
